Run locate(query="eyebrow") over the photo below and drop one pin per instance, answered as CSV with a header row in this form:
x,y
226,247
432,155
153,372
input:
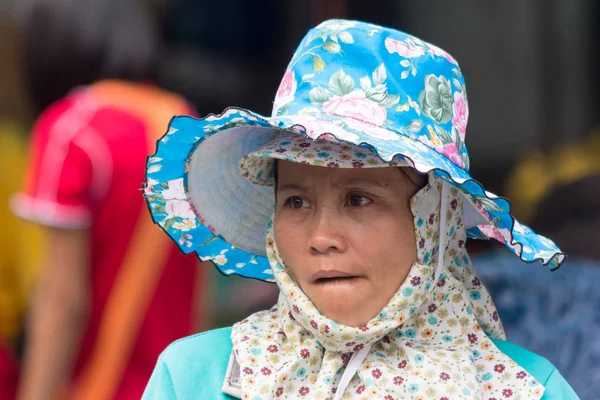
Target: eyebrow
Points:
x,y
292,187
360,182
342,184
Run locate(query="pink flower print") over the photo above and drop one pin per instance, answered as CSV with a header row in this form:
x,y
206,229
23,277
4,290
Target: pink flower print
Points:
x,y
149,187
376,373
179,208
476,282
521,375
245,338
265,371
431,308
357,164
376,132
303,391
421,243
402,364
398,380
330,138
482,210
454,204
356,105
451,152
431,218
495,316
444,376
499,368
327,130
507,393
313,324
364,329
416,281
360,389
296,309
176,191
388,397
436,51
460,114
472,338
403,48
286,92
359,347
272,348
248,371
279,391
304,353
493,232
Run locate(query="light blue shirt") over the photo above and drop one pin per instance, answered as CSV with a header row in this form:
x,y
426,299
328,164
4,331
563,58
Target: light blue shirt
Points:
x,y
195,367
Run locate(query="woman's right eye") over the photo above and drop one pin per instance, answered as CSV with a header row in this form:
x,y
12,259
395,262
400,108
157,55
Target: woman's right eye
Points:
x,y
296,203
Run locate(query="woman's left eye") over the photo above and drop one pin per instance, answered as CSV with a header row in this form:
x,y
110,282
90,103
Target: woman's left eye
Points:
x,y
357,200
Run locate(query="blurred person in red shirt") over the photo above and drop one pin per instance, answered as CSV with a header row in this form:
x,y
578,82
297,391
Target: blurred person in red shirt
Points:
x,y
113,293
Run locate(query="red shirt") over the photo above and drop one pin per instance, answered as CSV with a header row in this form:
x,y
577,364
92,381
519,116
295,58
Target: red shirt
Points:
x,y
86,170
9,372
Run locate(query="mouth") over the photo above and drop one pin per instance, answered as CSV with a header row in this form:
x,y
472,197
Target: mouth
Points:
x,y
339,280
332,276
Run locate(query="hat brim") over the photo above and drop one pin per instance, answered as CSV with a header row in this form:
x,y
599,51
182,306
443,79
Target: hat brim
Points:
x,y
196,194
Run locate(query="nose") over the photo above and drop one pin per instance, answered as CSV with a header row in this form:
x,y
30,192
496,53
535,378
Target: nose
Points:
x,y
327,235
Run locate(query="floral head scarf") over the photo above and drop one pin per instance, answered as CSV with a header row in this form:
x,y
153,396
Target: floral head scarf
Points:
x,y
430,340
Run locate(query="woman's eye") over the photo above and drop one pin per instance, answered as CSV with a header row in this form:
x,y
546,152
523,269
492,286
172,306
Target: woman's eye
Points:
x,y
296,203
357,200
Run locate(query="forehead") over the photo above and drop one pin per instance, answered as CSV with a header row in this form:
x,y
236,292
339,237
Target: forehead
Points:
x,y
290,172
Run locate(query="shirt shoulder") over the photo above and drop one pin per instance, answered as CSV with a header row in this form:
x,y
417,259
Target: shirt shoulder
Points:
x,y
556,387
192,367
202,346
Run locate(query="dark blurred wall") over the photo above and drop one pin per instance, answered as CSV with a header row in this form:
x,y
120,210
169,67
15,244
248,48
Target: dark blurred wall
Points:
x,y
224,52
13,102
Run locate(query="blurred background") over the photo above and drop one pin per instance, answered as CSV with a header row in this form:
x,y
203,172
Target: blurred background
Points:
x,y
532,69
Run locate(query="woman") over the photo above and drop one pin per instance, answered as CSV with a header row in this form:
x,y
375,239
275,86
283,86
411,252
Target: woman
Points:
x,y
358,185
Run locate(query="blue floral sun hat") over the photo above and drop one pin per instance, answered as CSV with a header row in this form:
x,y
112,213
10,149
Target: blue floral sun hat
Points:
x,y
369,87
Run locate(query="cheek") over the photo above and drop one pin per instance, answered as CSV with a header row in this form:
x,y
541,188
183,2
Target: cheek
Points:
x,y
403,242
288,239
387,245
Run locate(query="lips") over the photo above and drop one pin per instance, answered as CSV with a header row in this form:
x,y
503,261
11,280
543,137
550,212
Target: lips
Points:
x,y
325,276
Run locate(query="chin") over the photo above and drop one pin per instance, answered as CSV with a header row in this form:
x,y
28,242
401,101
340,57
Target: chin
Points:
x,y
347,314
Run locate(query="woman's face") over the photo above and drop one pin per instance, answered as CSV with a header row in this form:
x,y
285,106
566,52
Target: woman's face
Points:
x,y
346,235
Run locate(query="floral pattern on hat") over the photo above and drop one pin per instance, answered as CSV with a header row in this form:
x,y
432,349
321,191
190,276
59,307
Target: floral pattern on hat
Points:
x,y
352,82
